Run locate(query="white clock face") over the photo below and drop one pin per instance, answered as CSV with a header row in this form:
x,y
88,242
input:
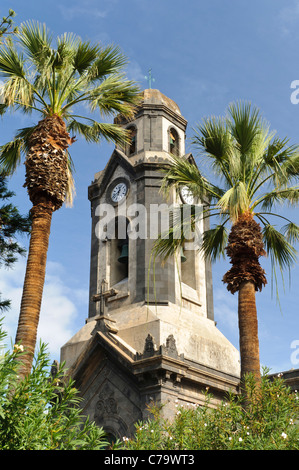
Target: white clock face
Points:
x,y
119,192
186,195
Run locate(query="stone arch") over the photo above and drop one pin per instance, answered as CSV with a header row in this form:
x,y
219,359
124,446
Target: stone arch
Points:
x,y
119,248
131,147
173,141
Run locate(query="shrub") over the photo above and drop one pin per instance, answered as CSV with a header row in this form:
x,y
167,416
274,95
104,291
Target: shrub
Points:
x,y
267,421
40,412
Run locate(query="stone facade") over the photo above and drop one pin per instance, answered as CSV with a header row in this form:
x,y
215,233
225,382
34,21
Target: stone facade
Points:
x,y
150,334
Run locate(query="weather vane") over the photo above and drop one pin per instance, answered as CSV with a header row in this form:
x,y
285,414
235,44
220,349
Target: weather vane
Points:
x,y
149,78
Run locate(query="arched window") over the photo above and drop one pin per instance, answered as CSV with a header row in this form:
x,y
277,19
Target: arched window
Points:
x,y
119,252
174,146
132,145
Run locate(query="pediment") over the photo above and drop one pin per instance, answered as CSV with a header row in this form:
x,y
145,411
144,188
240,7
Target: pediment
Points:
x,y
103,178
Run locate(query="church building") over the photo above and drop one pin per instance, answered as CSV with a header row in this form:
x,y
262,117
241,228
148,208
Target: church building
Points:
x,y
150,336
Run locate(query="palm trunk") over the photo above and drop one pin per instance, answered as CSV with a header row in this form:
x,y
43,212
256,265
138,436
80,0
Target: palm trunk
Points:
x,y
46,182
246,276
34,282
248,329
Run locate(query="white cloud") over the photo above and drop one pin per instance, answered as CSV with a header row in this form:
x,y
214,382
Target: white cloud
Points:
x,y
60,305
134,72
226,314
289,17
86,8
226,308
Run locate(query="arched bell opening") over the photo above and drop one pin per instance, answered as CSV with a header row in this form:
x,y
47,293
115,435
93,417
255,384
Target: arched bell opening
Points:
x,y
173,141
119,252
131,146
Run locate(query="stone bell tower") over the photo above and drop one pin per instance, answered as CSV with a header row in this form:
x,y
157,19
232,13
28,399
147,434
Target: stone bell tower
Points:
x,y
150,334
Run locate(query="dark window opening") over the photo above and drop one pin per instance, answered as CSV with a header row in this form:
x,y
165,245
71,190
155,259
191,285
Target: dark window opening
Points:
x,y
132,146
173,142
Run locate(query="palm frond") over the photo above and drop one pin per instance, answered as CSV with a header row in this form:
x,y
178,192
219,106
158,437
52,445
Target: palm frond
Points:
x,y
36,41
97,131
70,190
235,201
182,172
11,62
291,232
115,95
244,125
10,155
109,61
3,108
183,227
91,133
214,242
278,196
24,134
86,55
67,50
214,142
212,137
280,250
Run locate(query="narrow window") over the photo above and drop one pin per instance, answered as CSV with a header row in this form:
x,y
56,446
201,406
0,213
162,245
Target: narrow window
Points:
x,y
132,145
119,253
173,142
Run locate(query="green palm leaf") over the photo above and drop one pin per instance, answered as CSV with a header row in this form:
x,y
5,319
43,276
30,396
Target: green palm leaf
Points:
x,y
10,156
278,247
214,242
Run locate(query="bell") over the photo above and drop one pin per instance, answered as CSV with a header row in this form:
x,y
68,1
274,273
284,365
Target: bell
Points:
x,y
183,257
123,258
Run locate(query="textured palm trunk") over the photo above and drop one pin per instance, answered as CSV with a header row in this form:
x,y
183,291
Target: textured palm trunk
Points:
x,y
248,329
34,282
46,182
246,276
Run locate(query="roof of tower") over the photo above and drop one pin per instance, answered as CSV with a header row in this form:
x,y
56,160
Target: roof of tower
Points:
x,y
156,97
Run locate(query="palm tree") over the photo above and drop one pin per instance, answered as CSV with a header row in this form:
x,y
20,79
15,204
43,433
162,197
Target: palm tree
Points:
x,y
53,83
252,170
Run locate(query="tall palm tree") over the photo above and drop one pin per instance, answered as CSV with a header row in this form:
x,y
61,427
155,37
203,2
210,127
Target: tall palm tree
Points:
x,y
53,83
252,170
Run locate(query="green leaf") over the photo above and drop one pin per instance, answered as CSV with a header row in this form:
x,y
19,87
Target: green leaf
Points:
x,y
36,41
10,155
278,247
291,232
214,242
244,125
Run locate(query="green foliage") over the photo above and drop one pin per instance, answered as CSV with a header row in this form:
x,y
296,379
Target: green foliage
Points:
x,y
6,25
66,77
268,421
250,170
12,224
40,412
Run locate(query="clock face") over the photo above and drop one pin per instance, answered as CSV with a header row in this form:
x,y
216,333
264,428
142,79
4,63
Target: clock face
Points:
x,y
119,192
187,195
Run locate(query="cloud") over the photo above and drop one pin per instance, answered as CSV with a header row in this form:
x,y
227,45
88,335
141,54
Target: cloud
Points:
x,y
134,72
86,8
60,305
226,314
289,17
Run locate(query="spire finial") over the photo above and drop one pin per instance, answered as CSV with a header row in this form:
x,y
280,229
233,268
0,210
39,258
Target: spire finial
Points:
x,y
149,78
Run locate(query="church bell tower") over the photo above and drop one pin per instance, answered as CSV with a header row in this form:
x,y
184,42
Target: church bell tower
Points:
x,y
150,335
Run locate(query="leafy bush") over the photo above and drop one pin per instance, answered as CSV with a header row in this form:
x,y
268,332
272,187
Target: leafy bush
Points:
x,y
40,412
267,421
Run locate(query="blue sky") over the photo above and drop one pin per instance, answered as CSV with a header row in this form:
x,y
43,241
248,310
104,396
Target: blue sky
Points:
x,y
204,54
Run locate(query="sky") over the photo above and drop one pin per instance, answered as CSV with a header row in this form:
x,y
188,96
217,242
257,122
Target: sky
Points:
x,y
204,54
